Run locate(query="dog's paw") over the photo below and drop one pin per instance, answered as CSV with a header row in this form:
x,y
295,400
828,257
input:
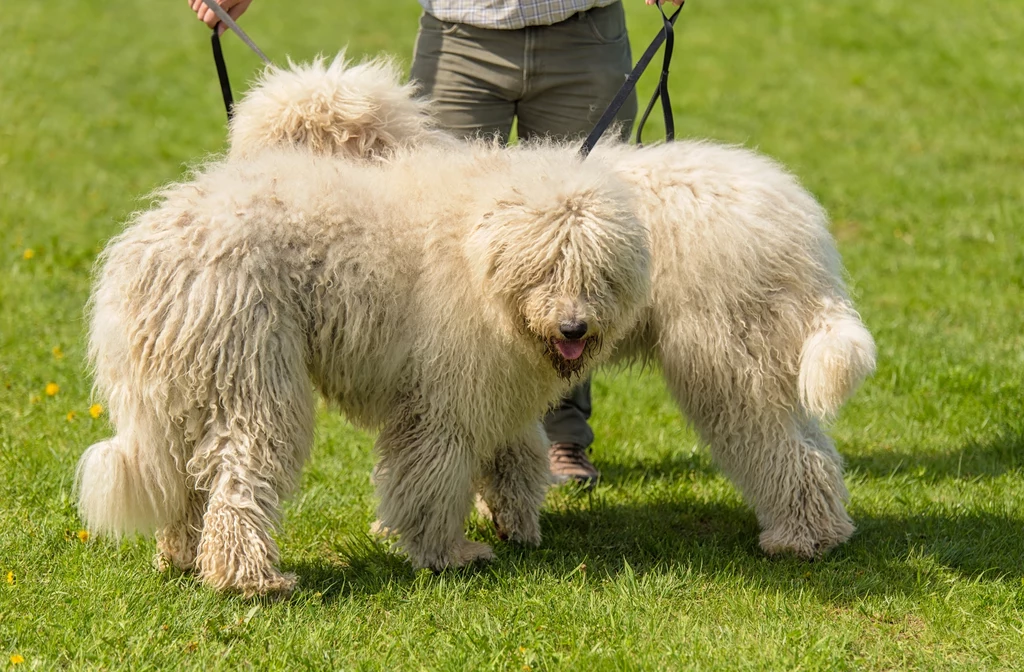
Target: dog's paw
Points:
x,y
273,585
805,543
164,562
380,530
524,529
463,552
467,552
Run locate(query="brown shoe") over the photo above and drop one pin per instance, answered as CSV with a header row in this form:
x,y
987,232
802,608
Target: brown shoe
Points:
x,y
569,462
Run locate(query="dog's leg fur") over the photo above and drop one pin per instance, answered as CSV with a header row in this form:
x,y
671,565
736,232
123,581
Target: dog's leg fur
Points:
x,y
236,550
178,543
424,480
512,486
250,457
785,466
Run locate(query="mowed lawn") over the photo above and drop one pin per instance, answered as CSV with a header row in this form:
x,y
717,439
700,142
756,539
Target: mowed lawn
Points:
x,y
906,119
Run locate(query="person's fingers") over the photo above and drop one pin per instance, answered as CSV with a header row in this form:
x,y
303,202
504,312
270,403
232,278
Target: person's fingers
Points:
x,y
209,18
239,8
234,8
205,14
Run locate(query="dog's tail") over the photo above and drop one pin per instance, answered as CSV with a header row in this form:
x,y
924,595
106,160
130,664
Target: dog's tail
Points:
x,y
122,491
835,359
336,109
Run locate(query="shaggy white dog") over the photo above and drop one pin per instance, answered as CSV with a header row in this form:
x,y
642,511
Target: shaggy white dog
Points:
x,y
446,293
445,296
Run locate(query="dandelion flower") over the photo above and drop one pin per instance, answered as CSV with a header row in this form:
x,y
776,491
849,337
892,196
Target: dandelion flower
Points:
x,y
83,536
96,410
57,352
71,416
52,389
10,577
28,254
17,659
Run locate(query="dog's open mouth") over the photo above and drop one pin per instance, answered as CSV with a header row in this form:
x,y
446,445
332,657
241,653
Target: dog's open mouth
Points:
x,y
567,355
571,349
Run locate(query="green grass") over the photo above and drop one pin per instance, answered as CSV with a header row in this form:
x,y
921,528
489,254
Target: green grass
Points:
x,y
905,119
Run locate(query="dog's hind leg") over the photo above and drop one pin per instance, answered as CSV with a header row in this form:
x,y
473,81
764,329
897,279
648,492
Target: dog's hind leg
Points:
x,y
178,543
512,486
236,551
781,461
806,515
250,458
424,480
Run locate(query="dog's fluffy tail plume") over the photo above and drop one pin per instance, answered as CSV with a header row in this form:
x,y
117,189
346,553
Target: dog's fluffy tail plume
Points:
x,y
121,492
336,109
834,360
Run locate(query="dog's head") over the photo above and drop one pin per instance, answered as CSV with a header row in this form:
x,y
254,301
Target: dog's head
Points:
x,y
563,254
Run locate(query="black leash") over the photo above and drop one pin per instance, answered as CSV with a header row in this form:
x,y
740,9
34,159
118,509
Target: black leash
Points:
x,y
666,36
218,54
222,72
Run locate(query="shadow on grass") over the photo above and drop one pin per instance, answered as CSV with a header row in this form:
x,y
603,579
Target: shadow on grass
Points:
x,y
359,565
888,556
665,468
897,554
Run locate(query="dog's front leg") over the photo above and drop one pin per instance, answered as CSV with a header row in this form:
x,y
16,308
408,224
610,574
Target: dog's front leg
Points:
x,y
424,480
512,486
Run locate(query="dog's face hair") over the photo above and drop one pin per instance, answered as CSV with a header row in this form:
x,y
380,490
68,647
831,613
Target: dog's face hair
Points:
x,y
568,261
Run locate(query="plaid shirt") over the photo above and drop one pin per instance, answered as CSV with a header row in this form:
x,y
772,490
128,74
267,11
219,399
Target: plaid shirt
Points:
x,y
508,14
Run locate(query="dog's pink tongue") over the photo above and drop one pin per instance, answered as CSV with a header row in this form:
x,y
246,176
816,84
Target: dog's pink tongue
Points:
x,y
571,349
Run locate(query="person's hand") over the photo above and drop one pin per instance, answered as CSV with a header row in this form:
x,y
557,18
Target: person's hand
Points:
x,y
649,2
234,8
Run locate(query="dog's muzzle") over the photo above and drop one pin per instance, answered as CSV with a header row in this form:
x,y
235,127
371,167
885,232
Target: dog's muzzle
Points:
x,y
570,355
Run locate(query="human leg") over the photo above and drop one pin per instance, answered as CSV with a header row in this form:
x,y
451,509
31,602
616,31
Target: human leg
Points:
x,y
473,75
573,71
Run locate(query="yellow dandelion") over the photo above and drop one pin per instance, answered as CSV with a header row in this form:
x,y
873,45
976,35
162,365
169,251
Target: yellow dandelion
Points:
x,y
28,254
10,577
52,389
17,659
83,536
71,416
96,410
57,352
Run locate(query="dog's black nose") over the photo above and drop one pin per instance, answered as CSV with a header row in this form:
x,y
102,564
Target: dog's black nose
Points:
x,y
573,330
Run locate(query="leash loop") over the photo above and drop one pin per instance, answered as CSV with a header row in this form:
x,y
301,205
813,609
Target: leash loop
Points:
x,y
666,36
661,90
